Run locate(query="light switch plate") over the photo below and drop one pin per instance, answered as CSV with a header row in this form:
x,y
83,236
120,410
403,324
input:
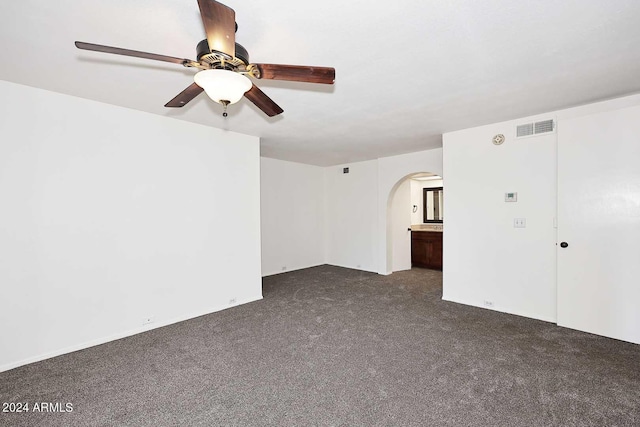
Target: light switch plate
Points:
x,y
519,223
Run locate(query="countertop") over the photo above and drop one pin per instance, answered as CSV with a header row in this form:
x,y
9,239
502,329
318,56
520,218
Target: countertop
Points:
x,y
427,227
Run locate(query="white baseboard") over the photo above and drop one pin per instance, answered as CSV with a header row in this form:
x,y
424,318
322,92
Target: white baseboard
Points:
x,y
498,309
352,267
120,335
292,269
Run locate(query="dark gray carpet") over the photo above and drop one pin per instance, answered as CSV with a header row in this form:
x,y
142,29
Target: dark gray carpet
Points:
x,y
332,346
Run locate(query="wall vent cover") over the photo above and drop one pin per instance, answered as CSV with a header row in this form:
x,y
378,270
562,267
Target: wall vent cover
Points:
x,y
524,130
537,128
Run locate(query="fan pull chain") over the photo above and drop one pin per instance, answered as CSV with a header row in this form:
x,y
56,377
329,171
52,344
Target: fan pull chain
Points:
x,y
224,104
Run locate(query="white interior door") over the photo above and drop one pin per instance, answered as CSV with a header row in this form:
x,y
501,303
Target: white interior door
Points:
x,y
599,219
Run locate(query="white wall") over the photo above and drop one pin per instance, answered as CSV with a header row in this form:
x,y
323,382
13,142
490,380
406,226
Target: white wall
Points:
x,y
345,215
487,262
109,216
485,258
357,232
417,197
401,223
292,215
350,215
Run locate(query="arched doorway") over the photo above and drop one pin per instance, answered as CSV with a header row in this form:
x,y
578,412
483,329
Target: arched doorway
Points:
x,y
405,209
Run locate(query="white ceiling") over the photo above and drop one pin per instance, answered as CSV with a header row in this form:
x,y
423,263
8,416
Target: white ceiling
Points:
x,y
406,70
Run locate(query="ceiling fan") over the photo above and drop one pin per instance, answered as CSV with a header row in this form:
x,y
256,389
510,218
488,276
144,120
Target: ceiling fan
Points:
x,y
224,65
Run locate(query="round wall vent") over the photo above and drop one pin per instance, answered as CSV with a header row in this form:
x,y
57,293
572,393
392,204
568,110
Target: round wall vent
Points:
x,y
498,139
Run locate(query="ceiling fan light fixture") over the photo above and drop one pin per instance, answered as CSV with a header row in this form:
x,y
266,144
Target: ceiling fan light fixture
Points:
x,y
225,65
223,85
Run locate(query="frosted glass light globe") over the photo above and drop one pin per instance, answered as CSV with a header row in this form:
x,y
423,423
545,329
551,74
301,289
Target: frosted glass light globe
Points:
x,y
223,85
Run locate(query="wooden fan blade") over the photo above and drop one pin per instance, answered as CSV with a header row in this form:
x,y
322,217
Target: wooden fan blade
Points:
x,y
296,73
128,52
220,25
263,102
185,96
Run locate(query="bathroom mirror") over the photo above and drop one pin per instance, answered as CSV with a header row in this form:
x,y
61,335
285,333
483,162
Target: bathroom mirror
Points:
x,y
432,205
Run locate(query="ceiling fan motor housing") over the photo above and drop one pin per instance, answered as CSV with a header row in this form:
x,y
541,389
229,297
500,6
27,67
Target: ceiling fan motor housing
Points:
x,y
205,54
